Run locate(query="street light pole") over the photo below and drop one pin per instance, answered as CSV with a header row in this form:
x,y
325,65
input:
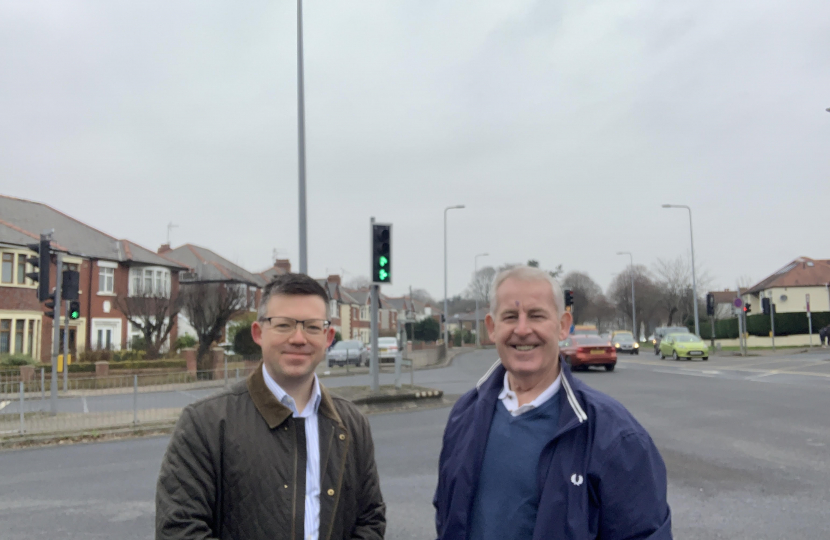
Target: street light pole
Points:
x,y
694,279
301,138
633,308
446,309
475,276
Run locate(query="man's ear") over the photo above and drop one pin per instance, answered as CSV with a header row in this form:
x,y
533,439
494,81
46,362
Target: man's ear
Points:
x,y
490,324
256,332
565,322
329,336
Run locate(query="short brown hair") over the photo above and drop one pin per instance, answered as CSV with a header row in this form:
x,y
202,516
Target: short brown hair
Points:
x,y
291,285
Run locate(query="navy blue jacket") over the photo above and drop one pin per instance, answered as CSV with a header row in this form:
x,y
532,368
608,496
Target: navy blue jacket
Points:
x,y
600,477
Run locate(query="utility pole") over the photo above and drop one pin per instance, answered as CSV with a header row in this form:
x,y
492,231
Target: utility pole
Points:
x,y
373,298
301,138
56,336
475,277
65,345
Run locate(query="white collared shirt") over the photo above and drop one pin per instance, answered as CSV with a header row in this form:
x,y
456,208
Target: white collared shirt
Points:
x,y
312,444
511,401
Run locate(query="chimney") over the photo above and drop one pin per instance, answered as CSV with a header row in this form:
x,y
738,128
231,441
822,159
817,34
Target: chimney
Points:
x,y
285,264
164,249
334,278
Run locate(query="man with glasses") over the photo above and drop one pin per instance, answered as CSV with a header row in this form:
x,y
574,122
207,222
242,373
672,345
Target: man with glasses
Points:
x,y
275,456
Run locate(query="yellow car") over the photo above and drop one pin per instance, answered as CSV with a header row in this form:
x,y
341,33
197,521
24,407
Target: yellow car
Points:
x,y
683,346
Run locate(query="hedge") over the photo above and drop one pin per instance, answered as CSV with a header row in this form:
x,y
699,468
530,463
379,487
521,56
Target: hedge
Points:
x,y
759,325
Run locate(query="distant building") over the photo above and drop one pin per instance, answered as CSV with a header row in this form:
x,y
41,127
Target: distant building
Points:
x,y
789,287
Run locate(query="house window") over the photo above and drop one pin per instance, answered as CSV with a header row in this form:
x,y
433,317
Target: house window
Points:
x,y
149,281
8,267
332,309
19,327
31,348
364,313
21,269
105,339
5,335
106,280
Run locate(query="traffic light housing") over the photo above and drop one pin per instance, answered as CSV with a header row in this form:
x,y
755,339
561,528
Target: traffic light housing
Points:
x,y
765,306
747,308
74,310
50,305
569,298
381,253
40,264
70,285
710,304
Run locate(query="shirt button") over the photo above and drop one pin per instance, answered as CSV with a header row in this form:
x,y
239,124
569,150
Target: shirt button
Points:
x,y
342,437
285,486
330,492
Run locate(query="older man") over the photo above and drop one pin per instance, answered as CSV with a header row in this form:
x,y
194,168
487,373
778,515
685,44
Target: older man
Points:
x,y
276,456
532,453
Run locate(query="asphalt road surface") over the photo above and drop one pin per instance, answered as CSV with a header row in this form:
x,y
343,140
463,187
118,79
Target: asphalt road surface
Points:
x,y
746,443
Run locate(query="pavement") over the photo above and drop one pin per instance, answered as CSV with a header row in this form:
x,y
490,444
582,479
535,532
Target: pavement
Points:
x,y
746,442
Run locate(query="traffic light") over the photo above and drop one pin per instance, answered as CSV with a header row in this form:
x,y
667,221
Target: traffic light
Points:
x,y
50,305
40,264
70,285
381,253
710,304
74,309
569,298
747,308
765,306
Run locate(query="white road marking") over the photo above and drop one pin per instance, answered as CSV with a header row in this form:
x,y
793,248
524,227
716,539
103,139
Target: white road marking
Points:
x,y
3,404
86,409
188,394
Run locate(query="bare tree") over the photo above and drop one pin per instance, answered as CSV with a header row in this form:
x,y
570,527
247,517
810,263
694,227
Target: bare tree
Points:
x,y
674,281
479,286
208,308
422,296
584,290
154,313
619,292
602,312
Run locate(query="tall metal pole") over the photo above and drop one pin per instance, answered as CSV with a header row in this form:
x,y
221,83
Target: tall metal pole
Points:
x,y
633,302
65,345
301,138
374,362
694,278
56,336
446,308
475,276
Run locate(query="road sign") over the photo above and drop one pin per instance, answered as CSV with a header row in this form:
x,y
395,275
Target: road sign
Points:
x,y
738,303
808,302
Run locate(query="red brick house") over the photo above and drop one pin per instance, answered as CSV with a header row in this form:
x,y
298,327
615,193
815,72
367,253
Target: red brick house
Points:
x,y
109,269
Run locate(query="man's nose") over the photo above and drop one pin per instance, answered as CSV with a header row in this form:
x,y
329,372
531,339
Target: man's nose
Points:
x,y
522,328
298,336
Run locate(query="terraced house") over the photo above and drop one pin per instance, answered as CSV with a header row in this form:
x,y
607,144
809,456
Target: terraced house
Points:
x,y
111,270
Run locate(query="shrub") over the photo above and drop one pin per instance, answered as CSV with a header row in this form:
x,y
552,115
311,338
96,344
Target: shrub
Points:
x,y
185,341
95,356
759,325
126,356
243,342
427,329
138,343
14,360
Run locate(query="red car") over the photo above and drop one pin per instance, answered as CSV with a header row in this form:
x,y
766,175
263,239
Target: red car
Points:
x,y
586,351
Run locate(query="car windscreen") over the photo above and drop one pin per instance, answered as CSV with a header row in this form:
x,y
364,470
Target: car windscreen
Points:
x,y
347,345
624,338
387,341
686,338
589,340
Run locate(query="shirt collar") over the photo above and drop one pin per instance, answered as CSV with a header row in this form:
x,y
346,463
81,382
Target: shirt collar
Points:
x,y
511,401
283,397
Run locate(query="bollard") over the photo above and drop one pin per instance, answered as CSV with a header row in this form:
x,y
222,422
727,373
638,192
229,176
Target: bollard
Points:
x,y
135,400
43,388
398,360
22,402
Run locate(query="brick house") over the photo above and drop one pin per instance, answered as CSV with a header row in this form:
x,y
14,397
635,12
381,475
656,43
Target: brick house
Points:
x,y
789,287
110,269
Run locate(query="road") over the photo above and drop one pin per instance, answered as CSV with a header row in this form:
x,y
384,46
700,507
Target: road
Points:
x,y
746,443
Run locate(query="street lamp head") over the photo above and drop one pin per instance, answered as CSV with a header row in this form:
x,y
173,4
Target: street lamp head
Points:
x,y
667,206
482,255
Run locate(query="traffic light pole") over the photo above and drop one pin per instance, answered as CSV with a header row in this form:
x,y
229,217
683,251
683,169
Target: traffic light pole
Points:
x,y
772,323
56,336
65,345
375,367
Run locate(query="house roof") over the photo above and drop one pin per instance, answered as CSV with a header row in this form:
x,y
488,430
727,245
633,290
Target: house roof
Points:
x,y
22,222
724,297
800,272
212,267
272,273
471,316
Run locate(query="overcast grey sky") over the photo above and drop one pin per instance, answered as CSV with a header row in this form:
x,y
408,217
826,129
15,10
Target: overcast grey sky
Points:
x,y
561,125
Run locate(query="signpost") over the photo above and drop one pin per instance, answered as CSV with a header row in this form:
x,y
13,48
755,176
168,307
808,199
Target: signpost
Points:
x,y
809,319
739,305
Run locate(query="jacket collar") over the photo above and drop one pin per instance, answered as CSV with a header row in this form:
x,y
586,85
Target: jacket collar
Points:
x,y
492,381
274,412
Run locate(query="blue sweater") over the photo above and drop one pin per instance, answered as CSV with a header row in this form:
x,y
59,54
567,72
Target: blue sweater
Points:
x,y
507,498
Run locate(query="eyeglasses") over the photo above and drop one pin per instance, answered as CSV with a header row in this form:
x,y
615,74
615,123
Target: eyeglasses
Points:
x,y
287,325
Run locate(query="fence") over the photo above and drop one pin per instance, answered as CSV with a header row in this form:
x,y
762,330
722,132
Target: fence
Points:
x,y
93,403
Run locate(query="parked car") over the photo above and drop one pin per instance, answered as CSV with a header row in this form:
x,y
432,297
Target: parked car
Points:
x,y
685,345
624,343
581,351
348,352
387,349
663,331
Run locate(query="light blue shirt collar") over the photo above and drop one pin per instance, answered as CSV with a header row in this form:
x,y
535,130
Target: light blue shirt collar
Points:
x,y
281,395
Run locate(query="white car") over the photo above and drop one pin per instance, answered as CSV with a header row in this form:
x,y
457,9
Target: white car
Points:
x,y
387,349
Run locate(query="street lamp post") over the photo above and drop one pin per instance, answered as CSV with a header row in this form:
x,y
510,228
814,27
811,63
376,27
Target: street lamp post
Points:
x,y
475,276
633,310
446,309
694,279
301,138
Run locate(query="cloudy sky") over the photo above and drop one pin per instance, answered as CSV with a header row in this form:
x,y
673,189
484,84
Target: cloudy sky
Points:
x,y
562,126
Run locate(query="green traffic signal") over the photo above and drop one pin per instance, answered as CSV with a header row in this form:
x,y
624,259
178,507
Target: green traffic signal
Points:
x,y
383,261
74,309
383,274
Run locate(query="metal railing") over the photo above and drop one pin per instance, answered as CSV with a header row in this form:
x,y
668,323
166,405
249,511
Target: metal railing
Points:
x,y
92,403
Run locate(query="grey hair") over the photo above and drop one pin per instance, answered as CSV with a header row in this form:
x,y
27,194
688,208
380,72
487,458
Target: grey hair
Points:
x,y
527,273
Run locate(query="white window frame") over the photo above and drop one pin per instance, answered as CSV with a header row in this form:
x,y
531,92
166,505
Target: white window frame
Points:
x,y
333,309
114,325
108,275
155,276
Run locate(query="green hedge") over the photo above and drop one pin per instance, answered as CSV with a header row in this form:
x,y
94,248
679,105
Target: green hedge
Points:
x,y
759,325
86,367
